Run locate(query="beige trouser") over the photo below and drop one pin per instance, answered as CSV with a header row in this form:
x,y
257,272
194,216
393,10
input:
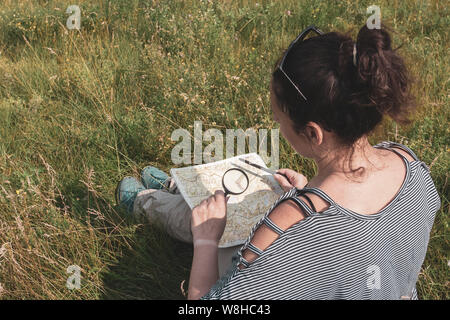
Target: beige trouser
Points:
x,y
168,208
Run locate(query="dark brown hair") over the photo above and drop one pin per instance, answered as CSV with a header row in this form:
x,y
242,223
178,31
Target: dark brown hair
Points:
x,y
343,98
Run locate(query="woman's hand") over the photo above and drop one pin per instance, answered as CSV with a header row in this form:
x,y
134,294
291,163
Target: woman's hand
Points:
x,y
209,217
294,179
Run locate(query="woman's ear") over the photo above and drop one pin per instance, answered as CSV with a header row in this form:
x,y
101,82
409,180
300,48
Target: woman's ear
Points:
x,y
314,132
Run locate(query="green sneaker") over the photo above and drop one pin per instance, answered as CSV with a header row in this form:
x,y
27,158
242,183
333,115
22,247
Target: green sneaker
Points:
x,y
153,178
126,192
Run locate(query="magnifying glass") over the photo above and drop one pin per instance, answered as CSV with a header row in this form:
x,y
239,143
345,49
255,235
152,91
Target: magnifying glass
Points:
x,y
235,181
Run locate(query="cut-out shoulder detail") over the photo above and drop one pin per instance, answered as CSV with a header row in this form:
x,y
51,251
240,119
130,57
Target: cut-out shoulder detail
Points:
x,y
286,214
304,203
319,204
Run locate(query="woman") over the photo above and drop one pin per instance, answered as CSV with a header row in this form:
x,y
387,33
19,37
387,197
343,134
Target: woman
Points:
x,y
360,228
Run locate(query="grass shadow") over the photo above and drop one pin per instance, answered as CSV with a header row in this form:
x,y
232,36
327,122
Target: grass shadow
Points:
x,y
154,267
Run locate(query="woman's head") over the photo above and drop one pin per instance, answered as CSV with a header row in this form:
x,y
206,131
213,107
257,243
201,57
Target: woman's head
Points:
x,y
344,101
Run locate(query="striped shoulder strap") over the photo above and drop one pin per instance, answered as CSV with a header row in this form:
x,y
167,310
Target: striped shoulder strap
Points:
x,y
392,145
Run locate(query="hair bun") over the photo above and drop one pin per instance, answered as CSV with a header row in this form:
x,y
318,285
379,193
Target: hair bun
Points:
x,y
373,40
381,72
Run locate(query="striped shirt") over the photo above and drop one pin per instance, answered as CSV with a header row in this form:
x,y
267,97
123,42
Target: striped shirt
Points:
x,y
338,253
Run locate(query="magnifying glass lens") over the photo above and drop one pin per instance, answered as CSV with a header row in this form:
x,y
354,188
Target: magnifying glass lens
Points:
x,y
235,181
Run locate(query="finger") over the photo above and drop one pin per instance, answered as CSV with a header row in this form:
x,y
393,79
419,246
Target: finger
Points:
x,y
286,176
219,194
281,179
299,180
284,172
285,185
211,197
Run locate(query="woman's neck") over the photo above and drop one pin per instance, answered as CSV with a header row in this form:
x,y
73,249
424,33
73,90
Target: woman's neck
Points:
x,y
344,162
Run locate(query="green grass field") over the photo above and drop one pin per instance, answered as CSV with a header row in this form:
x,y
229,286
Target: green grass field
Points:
x,y
79,110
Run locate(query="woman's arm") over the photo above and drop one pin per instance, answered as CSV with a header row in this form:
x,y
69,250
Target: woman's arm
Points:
x,y
204,272
207,225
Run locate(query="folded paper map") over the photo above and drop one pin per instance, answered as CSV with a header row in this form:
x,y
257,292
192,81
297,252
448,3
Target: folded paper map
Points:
x,y
197,183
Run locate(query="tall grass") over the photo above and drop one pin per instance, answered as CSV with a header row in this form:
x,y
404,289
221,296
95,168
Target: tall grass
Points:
x,y
81,109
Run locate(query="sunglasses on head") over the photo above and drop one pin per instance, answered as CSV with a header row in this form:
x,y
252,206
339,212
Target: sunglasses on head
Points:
x,y
299,38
